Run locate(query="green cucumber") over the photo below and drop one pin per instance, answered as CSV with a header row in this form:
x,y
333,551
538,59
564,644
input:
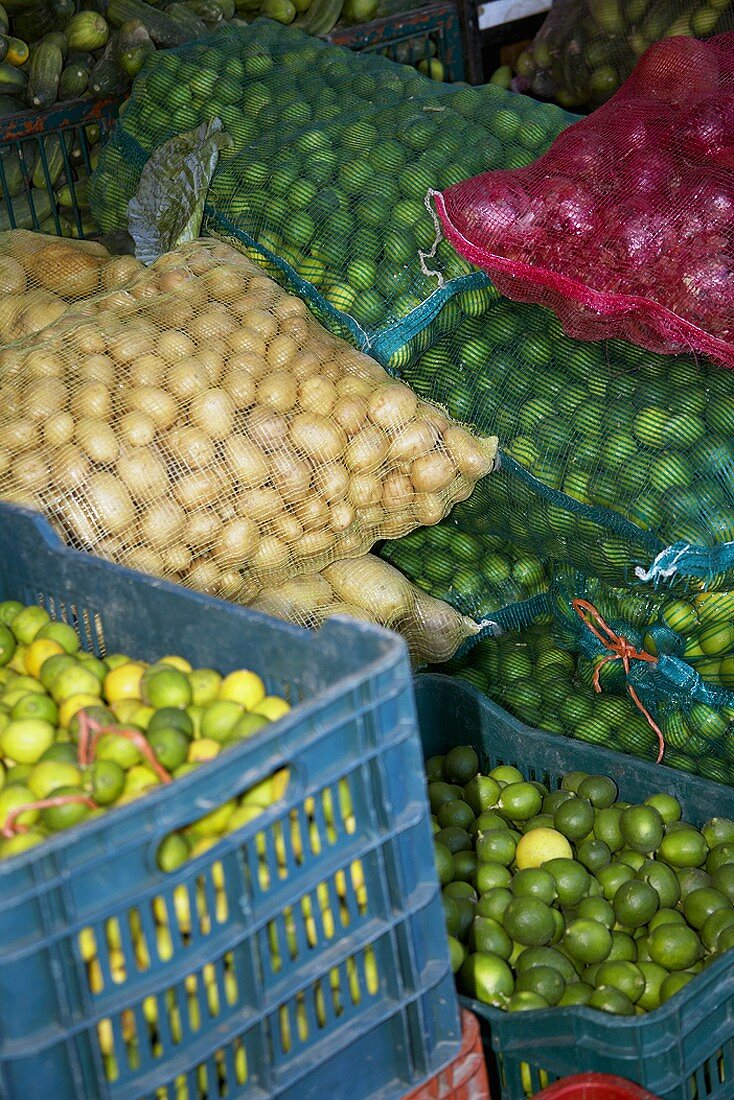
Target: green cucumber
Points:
x,y
321,17
87,31
106,78
8,105
13,81
15,50
74,81
49,226
15,170
81,57
44,73
22,212
73,200
282,11
32,24
209,11
134,47
4,21
13,6
185,17
53,152
163,30
55,38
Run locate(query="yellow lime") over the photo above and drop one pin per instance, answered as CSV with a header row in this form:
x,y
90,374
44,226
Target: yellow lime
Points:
x,y
71,707
111,746
272,707
38,652
220,718
123,681
141,716
53,667
205,748
541,845
172,852
35,706
248,725
8,610
74,681
176,662
243,687
17,661
49,775
26,741
124,709
140,778
204,683
487,977
12,797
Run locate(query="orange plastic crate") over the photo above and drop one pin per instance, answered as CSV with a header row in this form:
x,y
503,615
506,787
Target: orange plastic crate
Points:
x,y
465,1078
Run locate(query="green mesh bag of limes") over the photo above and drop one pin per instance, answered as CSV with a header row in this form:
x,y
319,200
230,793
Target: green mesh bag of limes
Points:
x,y
672,656
614,460
534,674
332,155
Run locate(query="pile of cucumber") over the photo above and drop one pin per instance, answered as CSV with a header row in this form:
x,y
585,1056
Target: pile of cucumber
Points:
x,y
51,52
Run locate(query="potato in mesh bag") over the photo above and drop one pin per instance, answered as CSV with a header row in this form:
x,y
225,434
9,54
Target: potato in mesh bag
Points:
x,y
368,588
200,425
42,276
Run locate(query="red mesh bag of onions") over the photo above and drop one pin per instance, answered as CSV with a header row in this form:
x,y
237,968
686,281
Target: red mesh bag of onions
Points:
x,y
625,227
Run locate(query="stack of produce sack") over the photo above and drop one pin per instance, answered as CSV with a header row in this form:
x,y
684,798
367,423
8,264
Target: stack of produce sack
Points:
x,y
192,420
587,48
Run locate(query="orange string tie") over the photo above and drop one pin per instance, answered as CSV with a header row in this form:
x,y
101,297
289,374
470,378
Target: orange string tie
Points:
x,y
13,826
137,738
620,649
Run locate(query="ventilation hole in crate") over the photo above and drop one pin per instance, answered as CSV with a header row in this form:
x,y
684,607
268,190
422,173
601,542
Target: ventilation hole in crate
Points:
x,y
106,1040
141,949
115,952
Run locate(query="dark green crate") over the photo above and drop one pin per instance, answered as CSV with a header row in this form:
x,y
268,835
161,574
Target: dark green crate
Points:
x,y
31,141
684,1050
408,37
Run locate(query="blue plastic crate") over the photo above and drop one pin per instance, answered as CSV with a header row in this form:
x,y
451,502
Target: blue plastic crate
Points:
x,y
684,1050
355,722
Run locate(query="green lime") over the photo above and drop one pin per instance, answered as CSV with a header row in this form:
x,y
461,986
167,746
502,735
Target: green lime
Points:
x,y
438,792
607,827
593,854
600,790
525,1001
571,880
444,863
663,880
35,706
598,909
490,876
723,880
719,830
488,978
8,611
674,946
26,740
7,644
673,984
467,912
27,623
633,859
635,902
573,780
495,846
455,812
487,934
642,828
170,746
540,821
165,687
666,916
62,633
529,921
612,877
170,718
433,767
451,915
107,781
552,801
587,941
457,954
544,980
718,856
465,866
482,793
714,925
494,903
667,806
487,820
62,751
683,848
460,765
607,999
454,838
519,801
69,813
48,775
654,976
701,903
459,889
505,773
534,882
546,956
173,851
623,975
219,719
692,878
623,947
576,993
725,941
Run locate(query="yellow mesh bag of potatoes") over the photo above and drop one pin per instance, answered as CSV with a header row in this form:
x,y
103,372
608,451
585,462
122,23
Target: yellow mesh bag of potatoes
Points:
x,y
200,425
368,588
41,277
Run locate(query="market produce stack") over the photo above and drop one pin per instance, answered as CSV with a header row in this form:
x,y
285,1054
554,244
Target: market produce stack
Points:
x,y
614,459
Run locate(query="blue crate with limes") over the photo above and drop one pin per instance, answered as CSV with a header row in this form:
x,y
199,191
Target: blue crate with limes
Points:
x,y
681,1050
300,952
46,159
428,37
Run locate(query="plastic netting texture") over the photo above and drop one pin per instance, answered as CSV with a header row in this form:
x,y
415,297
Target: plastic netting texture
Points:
x,y
625,227
587,48
199,424
332,154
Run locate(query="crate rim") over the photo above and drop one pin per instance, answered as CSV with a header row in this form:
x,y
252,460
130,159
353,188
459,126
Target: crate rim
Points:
x,y
713,978
394,647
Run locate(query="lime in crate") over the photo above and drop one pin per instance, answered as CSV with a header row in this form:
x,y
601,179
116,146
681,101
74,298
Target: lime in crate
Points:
x,y
302,950
682,1049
